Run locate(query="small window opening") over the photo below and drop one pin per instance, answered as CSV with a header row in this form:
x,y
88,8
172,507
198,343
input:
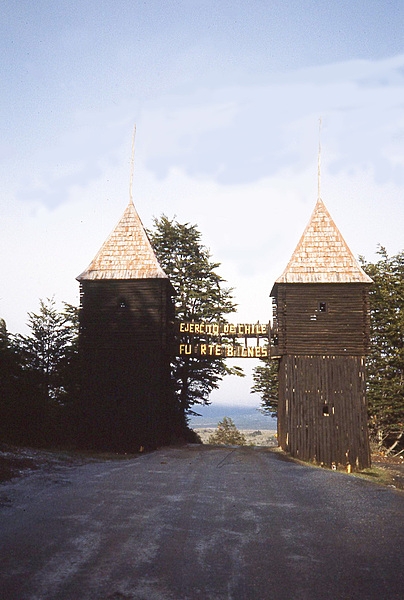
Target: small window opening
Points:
x,y
322,306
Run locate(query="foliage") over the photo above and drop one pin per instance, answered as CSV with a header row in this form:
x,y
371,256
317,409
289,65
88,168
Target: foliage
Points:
x,y
265,377
51,348
385,364
39,378
200,296
227,434
5,348
9,364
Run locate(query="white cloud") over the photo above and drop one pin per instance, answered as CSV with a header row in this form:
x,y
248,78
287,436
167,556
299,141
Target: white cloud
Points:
x,y
243,133
240,162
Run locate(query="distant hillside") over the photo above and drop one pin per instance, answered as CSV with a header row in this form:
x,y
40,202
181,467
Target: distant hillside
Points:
x,y
244,417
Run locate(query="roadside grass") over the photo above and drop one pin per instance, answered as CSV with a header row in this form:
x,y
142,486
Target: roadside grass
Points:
x,y
375,474
386,476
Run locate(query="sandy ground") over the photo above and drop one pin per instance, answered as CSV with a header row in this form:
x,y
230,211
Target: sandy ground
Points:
x,y
255,437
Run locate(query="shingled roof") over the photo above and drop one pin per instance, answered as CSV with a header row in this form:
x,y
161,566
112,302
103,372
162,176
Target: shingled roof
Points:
x,y
322,255
126,254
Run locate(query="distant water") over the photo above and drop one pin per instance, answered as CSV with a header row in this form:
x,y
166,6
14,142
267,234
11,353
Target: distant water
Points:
x,y
244,417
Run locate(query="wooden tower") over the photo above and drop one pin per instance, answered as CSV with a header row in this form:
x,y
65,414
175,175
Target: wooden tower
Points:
x,y
125,341
321,327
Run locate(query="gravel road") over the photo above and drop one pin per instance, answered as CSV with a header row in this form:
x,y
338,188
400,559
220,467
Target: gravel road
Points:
x,y
199,523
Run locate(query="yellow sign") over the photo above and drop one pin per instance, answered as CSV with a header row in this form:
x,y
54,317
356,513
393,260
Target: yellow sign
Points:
x,y
223,329
223,350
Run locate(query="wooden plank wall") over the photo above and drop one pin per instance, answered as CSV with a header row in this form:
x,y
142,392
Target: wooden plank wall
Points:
x,y
126,312
303,329
126,343
322,414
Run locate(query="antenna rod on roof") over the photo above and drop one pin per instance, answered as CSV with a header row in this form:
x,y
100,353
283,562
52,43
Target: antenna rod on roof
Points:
x,y
319,161
132,164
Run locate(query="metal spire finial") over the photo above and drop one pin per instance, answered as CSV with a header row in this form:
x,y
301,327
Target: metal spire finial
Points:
x,y
132,165
319,161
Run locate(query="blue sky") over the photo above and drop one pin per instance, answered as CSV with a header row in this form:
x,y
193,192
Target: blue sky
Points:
x,y
226,97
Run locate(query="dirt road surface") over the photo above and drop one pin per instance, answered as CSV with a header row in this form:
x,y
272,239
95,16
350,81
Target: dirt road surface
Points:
x,y
199,523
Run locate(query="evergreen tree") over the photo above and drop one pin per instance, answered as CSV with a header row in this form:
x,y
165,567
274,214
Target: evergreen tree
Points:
x,y
50,351
10,383
385,364
227,433
39,378
265,377
200,296
4,350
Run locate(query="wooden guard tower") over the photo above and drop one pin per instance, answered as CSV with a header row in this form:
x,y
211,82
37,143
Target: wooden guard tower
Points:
x,y
125,340
321,328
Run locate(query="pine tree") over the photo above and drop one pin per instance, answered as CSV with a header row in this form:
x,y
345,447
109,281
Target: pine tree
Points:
x,y
227,434
50,350
385,364
10,376
200,296
265,377
39,378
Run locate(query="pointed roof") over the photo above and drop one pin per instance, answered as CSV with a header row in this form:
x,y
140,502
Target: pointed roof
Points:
x,y
322,255
126,254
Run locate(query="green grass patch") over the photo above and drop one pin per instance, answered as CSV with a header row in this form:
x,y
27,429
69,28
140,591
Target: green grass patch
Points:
x,y
378,475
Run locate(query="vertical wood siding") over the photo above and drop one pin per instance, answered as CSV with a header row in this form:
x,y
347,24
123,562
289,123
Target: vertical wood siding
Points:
x,y
126,342
323,413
